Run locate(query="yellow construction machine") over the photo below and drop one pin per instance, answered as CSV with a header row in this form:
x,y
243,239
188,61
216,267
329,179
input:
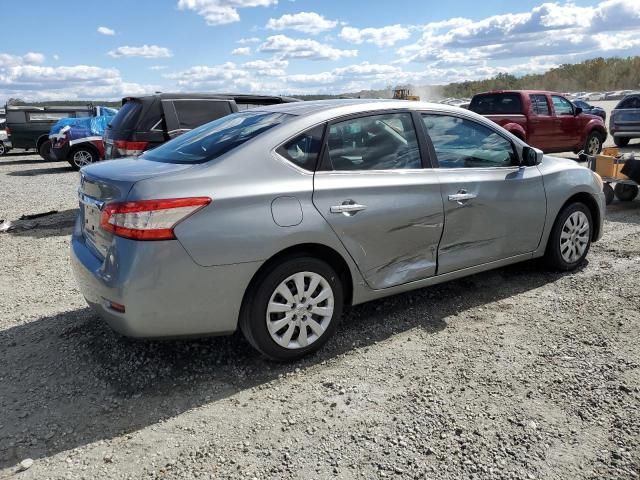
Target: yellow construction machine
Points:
x,y
404,94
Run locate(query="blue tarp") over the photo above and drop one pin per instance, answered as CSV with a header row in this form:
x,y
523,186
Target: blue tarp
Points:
x,y
84,126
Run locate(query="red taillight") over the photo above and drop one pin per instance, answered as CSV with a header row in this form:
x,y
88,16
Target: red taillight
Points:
x,y
149,219
8,130
127,149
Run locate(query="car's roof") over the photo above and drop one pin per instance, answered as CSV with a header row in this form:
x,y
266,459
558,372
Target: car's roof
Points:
x,y
205,96
47,108
526,92
353,105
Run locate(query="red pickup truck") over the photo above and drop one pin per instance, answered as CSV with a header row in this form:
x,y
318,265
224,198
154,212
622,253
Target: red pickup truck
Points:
x,y
545,120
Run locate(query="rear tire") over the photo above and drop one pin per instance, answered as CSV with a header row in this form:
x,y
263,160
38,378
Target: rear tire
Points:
x,y
608,193
273,323
621,141
45,150
593,145
81,157
570,238
625,192
3,149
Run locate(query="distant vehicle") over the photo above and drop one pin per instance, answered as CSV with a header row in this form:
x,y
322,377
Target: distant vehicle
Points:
x,y
5,142
145,122
272,220
79,140
404,94
28,126
625,120
591,109
545,120
594,96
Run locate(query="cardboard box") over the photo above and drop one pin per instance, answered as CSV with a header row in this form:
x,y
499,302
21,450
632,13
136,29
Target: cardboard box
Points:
x,y
607,166
611,151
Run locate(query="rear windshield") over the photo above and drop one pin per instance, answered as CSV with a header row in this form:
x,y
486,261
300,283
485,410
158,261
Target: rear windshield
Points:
x,y
126,117
496,104
629,102
216,138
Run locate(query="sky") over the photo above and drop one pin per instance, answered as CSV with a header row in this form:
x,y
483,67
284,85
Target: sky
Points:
x,y
109,49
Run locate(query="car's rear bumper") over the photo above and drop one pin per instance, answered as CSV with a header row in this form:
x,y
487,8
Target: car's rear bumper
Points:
x,y
164,292
626,133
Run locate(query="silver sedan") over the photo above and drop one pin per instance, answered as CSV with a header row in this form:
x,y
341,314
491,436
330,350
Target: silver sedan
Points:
x,y
273,219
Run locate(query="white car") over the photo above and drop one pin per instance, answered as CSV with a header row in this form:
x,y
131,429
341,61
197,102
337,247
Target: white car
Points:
x,y
5,143
595,96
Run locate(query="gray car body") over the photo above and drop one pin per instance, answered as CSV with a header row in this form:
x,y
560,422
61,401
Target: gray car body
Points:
x,y
264,207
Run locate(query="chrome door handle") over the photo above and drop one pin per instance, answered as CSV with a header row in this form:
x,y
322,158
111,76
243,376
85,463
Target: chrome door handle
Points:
x,y
461,197
347,208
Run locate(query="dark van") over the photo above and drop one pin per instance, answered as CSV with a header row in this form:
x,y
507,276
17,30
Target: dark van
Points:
x,y
28,126
146,122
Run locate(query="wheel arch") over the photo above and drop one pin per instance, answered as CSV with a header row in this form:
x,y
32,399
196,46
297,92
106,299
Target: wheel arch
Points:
x,y
316,250
590,202
86,146
41,140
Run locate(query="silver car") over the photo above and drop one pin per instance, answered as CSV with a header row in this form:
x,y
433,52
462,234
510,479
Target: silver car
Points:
x,y
273,219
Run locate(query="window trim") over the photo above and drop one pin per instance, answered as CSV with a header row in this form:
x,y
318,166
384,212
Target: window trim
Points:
x,y
275,154
465,117
322,164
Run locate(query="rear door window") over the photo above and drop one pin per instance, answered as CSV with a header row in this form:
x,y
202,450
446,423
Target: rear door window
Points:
x,y
376,142
193,113
497,104
216,138
47,116
539,105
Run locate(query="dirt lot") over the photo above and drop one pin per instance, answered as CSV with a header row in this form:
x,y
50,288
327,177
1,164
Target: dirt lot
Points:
x,y
515,374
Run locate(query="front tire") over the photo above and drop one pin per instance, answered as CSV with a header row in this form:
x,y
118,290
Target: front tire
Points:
x,y
292,309
570,238
3,149
45,150
593,145
82,157
621,141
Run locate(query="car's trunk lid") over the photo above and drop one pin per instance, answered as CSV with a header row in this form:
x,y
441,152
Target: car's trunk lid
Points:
x,y
107,182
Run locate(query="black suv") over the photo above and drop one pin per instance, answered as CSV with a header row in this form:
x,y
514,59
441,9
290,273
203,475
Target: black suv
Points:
x,y
28,126
146,122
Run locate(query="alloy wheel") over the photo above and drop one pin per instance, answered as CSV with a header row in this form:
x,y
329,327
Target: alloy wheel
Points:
x,y
594,145
574,238
82,158
300,310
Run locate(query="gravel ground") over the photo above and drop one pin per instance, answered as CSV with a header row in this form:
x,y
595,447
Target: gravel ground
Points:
x,y
516,374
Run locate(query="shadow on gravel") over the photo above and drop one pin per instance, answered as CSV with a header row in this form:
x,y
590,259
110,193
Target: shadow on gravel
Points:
x,y
55,225
20,162
624,212
68,380
41,171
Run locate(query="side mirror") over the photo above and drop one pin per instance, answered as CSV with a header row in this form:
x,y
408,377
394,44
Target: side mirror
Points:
x,y
531,156
578,111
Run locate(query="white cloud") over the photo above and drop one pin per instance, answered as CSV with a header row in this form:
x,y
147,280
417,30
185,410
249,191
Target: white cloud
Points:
x,y
307,22
286,47
382,37
18,78
30,58
220,12
106,31
246,41
241,51
146,51
155,68
550,29
56,57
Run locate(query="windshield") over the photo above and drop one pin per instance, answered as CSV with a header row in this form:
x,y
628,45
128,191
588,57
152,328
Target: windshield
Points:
x,y
216,138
